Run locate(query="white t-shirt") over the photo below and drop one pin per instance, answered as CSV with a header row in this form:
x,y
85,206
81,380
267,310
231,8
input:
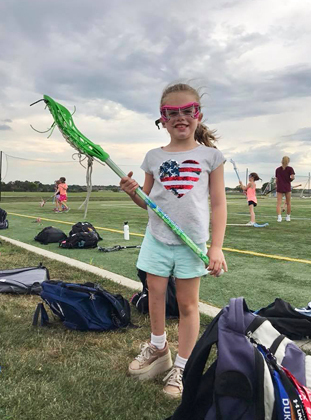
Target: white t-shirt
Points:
x,y
181,189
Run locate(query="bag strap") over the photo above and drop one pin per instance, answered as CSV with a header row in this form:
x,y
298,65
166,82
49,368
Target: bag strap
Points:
x,y
41,313
122,319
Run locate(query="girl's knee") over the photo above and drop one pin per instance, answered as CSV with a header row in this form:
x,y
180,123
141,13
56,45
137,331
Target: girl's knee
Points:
x,y
157,285
188,308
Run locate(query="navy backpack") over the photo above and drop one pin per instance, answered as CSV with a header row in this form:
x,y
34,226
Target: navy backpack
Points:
x,y
83,307
253,376
4,224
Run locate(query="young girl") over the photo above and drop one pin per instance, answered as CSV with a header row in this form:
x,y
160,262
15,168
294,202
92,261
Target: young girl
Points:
x,y
179,177
284,175
250,189
62,191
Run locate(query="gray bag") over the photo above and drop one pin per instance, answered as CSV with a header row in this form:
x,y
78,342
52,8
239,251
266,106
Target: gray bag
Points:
x,y
240,383
23,280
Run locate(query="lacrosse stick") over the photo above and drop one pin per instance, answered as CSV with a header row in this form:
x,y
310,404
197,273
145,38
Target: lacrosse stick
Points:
x,y
63,120
237,173
42,203
117,248
235,169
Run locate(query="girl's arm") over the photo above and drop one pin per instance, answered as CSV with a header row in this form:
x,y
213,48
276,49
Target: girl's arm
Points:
x,y
129,185
218,220
243,186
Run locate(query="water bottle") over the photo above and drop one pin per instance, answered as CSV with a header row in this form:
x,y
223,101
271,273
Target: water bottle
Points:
x,y
126,230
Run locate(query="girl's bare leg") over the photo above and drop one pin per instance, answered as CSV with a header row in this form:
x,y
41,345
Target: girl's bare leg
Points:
x,y
288,202
187,293
252,213
279,202
156,298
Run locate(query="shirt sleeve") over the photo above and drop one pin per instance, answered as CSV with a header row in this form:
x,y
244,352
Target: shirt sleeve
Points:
x,y
218,160
145,165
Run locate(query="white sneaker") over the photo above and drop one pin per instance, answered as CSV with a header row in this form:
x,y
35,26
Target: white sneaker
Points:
x,y
250,223
288,217
150,362
279,218
174,385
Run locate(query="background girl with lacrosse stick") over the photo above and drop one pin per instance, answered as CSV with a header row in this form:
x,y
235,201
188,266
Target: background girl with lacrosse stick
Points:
x,y
62,191
179,176
250,189
284,176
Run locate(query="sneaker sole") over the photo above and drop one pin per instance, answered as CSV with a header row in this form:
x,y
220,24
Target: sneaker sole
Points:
x,y
175,396
158,366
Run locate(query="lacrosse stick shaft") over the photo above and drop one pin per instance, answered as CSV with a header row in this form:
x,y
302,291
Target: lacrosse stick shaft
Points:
x,y
235,169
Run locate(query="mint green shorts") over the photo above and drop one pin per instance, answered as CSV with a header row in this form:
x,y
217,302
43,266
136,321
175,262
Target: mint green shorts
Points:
x,y
164,260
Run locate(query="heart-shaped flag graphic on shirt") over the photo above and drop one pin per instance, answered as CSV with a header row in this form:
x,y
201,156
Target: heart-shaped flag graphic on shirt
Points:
x,y
179,178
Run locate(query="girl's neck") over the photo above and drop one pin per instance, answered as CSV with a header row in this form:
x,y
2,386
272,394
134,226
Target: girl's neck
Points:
x,y
180,146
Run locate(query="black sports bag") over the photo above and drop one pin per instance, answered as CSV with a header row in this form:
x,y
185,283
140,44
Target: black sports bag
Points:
x,y
49,235
80,240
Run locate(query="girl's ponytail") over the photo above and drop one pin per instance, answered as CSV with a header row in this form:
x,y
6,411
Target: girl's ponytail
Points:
x,y
255,176
205,136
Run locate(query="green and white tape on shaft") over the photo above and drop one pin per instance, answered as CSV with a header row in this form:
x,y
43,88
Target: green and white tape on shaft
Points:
x,y
63,119
176,229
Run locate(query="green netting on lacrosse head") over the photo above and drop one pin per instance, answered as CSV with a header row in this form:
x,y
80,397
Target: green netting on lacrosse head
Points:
x,y
63,120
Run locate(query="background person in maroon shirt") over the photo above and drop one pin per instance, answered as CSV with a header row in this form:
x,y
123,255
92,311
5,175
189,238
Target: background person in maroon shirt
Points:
x,y
284,175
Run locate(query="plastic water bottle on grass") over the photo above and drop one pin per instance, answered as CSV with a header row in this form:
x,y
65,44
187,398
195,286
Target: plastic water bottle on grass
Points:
x,y
126,230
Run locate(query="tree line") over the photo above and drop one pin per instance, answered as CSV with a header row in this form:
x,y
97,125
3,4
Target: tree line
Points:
x,y
37,186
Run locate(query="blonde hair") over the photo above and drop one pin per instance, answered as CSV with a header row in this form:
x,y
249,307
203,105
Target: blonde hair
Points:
x,y
285,161
203,134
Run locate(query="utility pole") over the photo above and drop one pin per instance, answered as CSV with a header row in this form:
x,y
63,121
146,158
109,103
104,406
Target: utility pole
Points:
x,y
0,173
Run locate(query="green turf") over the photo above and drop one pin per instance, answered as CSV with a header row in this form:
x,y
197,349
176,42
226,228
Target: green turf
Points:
x,y
260,280
52,373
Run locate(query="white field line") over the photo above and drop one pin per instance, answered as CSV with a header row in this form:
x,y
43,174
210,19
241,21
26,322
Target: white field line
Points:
x,y
271,217
124,281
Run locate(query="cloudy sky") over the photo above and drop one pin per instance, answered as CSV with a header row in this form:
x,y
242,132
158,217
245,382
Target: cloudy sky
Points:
x,y
112,59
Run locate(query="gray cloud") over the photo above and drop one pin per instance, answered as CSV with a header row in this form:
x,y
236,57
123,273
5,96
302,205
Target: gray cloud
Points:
x,y
303,135
126,52
128,55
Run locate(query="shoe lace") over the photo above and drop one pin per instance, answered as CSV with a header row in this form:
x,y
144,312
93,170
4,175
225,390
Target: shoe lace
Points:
x,y
174,377
145,352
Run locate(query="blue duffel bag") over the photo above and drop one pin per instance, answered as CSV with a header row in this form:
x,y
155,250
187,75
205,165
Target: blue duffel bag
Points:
x,y
83,307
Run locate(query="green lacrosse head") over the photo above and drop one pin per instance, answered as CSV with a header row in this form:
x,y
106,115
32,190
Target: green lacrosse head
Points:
x,y
63,120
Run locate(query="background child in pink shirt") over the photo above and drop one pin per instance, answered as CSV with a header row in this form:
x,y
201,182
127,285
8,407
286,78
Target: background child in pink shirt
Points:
x,y
62,191
250,189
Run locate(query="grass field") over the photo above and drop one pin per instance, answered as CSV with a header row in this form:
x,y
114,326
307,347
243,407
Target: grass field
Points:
x,y
53,373
258,278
